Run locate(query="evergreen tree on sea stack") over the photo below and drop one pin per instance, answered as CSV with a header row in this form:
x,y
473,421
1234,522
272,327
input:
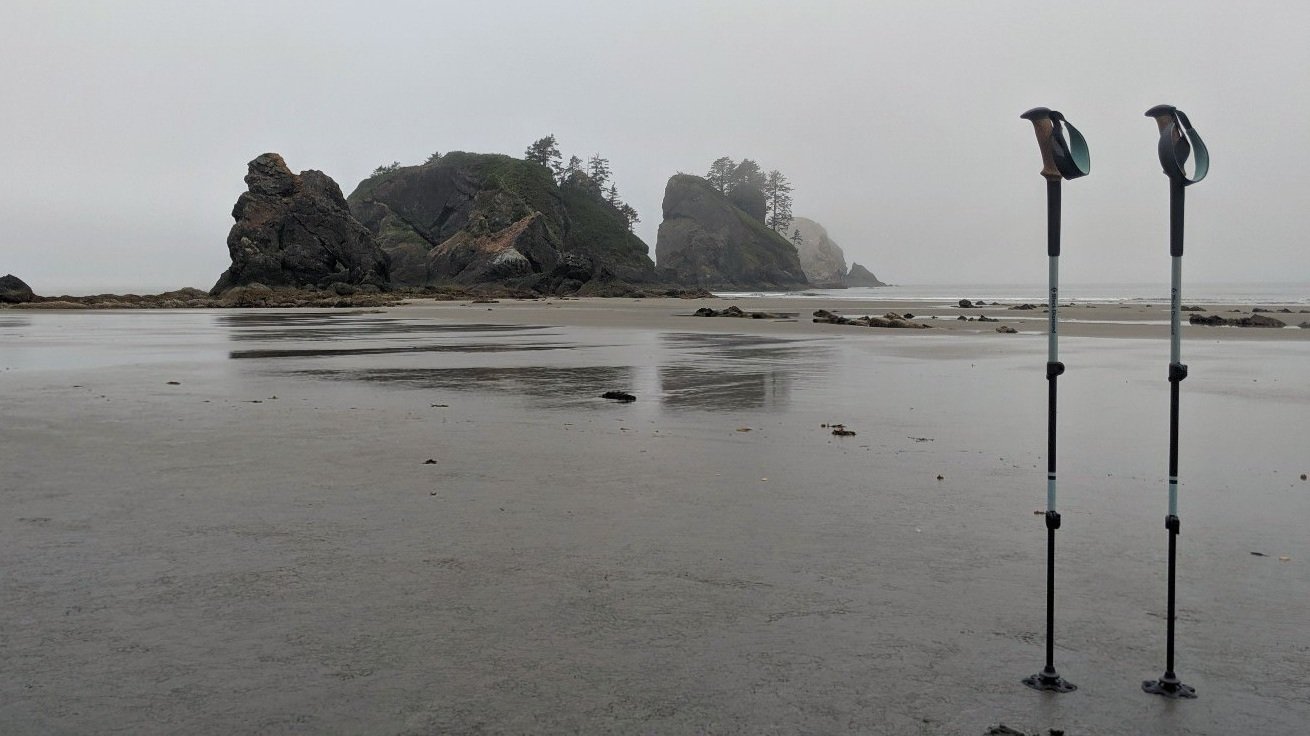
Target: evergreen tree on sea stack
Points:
x,y
720,174
765,196
598,168
777,198
545,151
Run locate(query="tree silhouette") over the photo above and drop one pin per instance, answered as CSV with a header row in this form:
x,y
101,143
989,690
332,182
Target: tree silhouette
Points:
x,y
720,174
545,151
777,199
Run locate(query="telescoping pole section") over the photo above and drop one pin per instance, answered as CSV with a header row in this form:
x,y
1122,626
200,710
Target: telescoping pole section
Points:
x,y
1178,142
1061,159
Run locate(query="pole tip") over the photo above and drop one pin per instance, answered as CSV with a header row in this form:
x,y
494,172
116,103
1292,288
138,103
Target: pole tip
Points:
x,y
1159,110
1037,113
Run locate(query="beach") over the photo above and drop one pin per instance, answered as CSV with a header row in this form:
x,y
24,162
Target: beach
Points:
x,y
424,519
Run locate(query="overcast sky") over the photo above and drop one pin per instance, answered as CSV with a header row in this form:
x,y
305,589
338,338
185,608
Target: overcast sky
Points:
x,y
125,127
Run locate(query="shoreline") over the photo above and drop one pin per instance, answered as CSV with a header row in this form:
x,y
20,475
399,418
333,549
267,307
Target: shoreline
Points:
x,y
1078,320
785,315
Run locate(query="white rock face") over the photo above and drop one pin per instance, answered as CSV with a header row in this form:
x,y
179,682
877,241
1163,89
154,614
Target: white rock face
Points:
x,y
822,259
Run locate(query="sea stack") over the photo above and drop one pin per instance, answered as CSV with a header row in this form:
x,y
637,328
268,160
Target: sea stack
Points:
x,y
14,291
296,231
861,276
472,218
706,240
822,259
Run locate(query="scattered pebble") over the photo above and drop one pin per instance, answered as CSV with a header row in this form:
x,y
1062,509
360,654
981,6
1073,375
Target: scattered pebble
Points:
x,y
1259,554
941,477
743,429
1284,558
840,430
1303,476
618,396
440,406
429,461
174,383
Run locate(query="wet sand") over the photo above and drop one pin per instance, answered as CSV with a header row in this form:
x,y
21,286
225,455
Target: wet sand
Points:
x,y
202,557
1126,320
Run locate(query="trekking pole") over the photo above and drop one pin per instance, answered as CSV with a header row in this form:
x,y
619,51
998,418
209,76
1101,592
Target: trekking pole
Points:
x,y
1061,160
1178,141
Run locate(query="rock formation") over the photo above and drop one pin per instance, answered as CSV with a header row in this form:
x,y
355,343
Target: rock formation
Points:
x,y
14,291
469,218
890,319
707,241
296,230
861,276
1255,320
822,259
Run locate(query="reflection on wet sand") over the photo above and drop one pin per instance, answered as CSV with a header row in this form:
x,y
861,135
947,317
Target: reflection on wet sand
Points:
x,y
550,387
345,326
684,371
736,372
455,348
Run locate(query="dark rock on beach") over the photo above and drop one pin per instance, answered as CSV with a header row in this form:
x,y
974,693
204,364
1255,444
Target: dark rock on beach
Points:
x,y
14,291
1255,320
296,231
891,320
735,311
618,396
707,240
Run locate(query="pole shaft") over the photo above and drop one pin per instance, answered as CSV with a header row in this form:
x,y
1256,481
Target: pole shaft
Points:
x,y
1050,601
1176,188
1052,217
1177,372
1052,330
1169,626
1053,357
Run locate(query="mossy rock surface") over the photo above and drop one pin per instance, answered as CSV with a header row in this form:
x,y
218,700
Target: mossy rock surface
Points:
x,y
467,211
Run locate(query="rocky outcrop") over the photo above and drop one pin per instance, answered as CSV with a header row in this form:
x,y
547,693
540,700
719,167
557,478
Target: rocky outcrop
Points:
x,y
738,312
821,258
706,240
890,319
1255,320
296,231
14,291
468,218
861,276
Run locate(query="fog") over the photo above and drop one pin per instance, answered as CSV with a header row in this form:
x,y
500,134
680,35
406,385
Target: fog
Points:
x,y
127,125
